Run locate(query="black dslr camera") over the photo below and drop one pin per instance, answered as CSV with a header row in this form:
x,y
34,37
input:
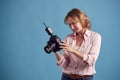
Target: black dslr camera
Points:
x,y
53,43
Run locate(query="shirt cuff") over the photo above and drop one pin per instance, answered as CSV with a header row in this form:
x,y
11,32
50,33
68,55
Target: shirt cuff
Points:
x,y
85,57
60,62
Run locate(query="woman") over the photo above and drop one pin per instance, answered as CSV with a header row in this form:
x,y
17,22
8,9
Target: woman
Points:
x,y
80,48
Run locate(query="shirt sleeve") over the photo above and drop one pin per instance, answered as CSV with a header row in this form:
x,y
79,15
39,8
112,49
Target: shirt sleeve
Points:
x,y
92,56
64,57
64,60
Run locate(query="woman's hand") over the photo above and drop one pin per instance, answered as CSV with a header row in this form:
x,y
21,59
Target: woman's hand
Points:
x,y
67,47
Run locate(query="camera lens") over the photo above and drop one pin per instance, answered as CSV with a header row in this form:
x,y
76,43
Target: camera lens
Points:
x,y
49,48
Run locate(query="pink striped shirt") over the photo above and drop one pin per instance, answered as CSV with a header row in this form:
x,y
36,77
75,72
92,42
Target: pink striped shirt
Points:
x,y
90,47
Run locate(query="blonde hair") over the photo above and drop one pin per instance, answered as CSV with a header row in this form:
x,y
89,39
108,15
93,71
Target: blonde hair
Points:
x,y
79,16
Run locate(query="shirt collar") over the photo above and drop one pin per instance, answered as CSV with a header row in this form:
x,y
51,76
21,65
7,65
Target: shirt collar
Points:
x,y
87,34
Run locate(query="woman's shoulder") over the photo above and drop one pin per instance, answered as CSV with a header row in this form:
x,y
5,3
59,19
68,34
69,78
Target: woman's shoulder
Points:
x,y
94,35
69,37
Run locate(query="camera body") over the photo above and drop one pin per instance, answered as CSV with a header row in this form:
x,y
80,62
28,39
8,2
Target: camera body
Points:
x,y
53,43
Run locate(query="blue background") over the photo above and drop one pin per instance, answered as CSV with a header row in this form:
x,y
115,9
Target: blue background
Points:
x,y
22,37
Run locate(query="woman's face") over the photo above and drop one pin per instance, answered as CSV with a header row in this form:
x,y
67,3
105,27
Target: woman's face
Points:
x,y
74,25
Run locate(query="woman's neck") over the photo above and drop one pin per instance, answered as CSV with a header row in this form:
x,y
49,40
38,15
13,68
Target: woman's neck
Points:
x,y
81,33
